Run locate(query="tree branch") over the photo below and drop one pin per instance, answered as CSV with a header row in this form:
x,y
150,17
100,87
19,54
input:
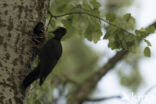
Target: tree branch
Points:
x,y
82,92
87,86
149,90
86,13
51,16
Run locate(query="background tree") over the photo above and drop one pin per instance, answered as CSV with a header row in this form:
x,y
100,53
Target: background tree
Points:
x,y
17,20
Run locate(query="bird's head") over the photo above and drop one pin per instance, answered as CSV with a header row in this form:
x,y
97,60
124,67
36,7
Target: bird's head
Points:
x,y
59,33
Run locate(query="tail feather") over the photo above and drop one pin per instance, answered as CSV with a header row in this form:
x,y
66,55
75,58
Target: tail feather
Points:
x,y
42,79
30,78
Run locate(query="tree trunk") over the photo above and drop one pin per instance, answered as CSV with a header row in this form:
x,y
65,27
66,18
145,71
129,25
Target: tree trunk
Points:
x,y
17,20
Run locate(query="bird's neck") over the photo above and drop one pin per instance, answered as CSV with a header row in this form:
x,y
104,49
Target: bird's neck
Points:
x,y
57,38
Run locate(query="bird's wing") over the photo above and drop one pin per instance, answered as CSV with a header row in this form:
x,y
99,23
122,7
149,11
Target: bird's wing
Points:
x,y
45,69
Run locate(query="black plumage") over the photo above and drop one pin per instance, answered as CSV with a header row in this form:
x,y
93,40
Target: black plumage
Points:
x,y
49,55
38,35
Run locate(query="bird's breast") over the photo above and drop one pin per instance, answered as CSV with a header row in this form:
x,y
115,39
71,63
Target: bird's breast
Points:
x,y
51,50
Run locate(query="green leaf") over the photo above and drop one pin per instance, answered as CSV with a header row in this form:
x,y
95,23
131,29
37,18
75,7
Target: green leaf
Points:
x,y
129,21
150,29
61,6
95,4
127,17
69,24
147,52
148,42
93,32
141,33
110,31
129,38
110,17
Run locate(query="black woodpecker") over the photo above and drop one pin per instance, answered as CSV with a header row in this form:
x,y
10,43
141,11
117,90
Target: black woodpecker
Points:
x,y
38,35
49,55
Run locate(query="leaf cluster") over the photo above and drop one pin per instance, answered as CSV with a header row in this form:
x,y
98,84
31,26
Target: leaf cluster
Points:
x,y
77,24
119,36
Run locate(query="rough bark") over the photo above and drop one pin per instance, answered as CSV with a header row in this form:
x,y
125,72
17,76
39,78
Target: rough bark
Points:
x,y
17,19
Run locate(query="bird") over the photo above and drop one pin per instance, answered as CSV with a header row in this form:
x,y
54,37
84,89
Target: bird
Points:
x,y
38,36
49,55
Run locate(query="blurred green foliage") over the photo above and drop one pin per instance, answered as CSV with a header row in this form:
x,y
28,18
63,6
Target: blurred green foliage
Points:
x,y
129,74
84,25
79,61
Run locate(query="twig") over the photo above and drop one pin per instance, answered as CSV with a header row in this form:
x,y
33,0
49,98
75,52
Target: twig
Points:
x,y
149,90
97,17
51,16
